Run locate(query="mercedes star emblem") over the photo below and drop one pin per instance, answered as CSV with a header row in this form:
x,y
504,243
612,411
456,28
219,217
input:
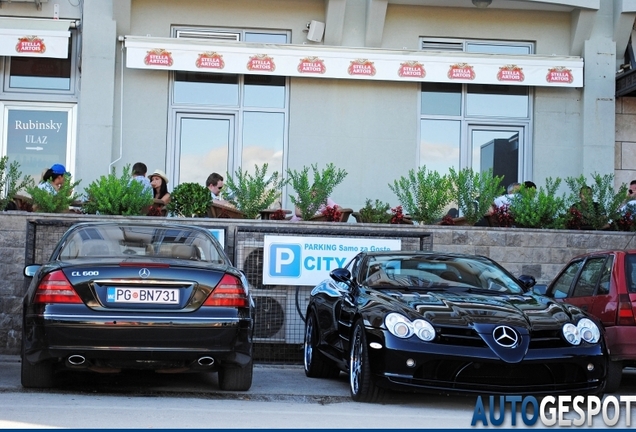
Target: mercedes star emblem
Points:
x,y
144,273
505,336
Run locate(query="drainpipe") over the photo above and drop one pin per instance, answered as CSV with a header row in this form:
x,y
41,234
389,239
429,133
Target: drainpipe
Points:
x,y
121,109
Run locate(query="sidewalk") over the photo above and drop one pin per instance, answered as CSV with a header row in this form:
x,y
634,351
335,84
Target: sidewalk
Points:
x,y
270,382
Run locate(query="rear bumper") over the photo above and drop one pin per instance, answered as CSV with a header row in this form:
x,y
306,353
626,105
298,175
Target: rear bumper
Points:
x,y
168,342
621,342
464,369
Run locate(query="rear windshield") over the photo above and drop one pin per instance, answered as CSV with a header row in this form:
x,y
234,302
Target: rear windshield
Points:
x,y
125,241
630,272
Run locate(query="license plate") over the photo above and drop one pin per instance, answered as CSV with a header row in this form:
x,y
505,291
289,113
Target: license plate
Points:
x,y
143,295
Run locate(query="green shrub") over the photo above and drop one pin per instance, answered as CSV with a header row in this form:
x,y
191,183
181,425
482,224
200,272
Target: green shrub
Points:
x,y
112,195
252,194
46,202
602,204
11,181
424,194
539,208
474,192
377,212
310,195
189,200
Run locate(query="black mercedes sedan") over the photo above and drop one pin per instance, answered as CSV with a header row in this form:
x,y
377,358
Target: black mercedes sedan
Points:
x,y
117,296
447,323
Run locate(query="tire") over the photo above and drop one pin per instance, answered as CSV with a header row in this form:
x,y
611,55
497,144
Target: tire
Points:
x,y
614,376
232,378
362,387
316,364
39,375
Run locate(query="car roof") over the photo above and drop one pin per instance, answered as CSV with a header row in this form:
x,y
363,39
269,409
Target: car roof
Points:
x,y
139,224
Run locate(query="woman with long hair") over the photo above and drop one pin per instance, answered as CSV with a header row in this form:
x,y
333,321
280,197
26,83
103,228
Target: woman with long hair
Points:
x,y
159,183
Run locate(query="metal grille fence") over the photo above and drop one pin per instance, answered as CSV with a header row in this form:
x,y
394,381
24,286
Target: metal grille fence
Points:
x,y
280,310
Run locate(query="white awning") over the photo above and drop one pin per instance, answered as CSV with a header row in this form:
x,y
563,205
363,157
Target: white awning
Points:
x,y
351,63
30,37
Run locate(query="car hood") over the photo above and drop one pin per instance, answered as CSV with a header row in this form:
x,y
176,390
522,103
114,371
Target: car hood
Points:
x,y
454,308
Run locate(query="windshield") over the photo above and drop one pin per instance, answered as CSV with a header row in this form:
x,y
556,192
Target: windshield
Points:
x,y
436,271
129,241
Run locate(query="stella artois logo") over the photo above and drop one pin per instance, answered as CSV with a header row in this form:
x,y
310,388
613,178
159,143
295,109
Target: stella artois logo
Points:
x,y
361,67
462,71
411,69
30,44
158,57
559,74
312,65
511,73
261,62
210,60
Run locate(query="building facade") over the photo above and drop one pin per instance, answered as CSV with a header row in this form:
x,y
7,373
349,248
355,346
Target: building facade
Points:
x,y
378,87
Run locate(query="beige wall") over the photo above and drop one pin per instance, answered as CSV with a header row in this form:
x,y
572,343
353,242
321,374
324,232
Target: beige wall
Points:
x,y
625,156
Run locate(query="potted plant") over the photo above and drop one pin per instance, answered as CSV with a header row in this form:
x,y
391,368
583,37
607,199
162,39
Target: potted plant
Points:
x,y
113,195
312,194
474,192
593,206
189,200
59,202
251,194
423,194
539,208
11,182
374,212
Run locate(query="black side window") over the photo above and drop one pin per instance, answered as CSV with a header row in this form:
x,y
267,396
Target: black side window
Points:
x,y
589,277
604,283
561,286
630,270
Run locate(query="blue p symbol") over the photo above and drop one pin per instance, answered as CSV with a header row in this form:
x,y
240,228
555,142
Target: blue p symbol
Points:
x,y
284,260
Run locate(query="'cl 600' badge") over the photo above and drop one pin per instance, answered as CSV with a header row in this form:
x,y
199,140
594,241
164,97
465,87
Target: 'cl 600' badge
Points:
x,y
505,336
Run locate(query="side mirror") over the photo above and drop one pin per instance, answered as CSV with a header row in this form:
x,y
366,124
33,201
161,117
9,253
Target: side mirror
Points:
x,y
340,275
30,270
527,281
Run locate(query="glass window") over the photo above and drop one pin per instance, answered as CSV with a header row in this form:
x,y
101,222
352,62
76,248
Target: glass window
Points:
x,y
604,283
41,73
590,276
561,287
265,37
263,138
441,99
264,91
439,144
497,101
498,48
630,272
206,88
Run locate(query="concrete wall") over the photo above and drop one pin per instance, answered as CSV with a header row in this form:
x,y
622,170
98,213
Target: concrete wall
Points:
x,y
540,253
625,146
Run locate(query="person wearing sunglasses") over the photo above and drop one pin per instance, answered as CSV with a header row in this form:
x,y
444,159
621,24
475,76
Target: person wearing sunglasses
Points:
x,y
630,201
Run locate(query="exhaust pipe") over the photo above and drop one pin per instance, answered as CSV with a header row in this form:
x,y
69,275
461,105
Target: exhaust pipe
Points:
x,y
76,360
206,361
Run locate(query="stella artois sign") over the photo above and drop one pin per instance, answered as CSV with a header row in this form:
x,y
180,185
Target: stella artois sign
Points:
x,y
210,60
511,73
462,71
310,65
30,44
361,67
158,57
559,74
411,69
261,62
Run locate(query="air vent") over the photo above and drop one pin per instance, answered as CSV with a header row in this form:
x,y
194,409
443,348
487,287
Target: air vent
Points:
x,y
442,45
207,35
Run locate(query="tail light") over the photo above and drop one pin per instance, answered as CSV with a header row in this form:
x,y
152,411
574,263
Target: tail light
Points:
x,y
55,288
229,292
625,310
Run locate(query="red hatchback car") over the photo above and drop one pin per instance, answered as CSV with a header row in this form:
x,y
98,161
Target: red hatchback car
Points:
x,y
604,285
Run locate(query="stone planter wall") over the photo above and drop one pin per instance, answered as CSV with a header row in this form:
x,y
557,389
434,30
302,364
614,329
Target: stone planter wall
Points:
x,y
540,253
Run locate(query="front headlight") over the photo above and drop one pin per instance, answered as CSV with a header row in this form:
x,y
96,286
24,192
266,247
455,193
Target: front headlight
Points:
x,y
571,333
589,331
400,326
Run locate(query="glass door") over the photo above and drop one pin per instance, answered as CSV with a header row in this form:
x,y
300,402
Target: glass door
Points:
x,y
204,144
500,148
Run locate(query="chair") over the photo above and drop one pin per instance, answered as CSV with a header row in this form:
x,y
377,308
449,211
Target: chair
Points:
x,y
217,210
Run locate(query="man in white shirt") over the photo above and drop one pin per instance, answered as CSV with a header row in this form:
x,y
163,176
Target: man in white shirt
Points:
x,y
513,189
139,171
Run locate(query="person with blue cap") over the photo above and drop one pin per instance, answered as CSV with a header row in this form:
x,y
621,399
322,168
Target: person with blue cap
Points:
x,y
53,178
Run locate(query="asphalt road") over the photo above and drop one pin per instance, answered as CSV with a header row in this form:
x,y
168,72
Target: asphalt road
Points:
x,y
280,397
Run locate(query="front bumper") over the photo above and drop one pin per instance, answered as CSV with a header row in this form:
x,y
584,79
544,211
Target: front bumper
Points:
x,y
416,365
